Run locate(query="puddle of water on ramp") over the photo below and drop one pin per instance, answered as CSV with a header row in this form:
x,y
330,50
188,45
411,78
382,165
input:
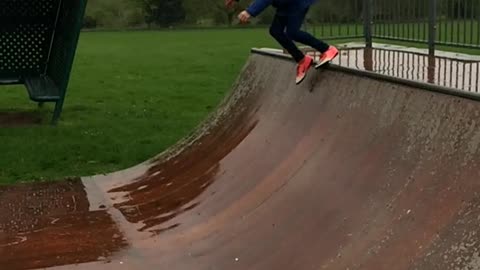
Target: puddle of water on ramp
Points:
x,y
461,74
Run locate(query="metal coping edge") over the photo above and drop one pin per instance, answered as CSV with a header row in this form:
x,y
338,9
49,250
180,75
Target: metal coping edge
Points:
x,y
378,76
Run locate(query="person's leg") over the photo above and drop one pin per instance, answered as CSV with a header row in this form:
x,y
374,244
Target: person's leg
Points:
x,y
277,30
295,33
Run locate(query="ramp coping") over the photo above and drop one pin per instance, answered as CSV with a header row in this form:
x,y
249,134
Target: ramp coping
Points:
x,y
378,76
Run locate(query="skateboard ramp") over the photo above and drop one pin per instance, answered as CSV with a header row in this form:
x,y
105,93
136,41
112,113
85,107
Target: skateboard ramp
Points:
x,y
349,170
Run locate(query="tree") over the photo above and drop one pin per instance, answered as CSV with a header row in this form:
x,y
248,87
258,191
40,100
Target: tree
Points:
x,y
164,12
223,15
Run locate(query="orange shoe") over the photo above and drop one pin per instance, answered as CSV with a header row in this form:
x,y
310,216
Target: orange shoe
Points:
x,y
303,67
327,56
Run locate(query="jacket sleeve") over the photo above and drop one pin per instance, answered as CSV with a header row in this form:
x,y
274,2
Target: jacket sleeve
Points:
x,y
257,7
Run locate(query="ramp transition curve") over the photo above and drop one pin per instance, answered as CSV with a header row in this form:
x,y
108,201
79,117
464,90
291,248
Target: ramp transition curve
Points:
x,y
346,171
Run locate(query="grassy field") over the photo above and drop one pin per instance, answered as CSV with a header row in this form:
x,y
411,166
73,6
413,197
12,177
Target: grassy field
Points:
x,y
132,94
451,32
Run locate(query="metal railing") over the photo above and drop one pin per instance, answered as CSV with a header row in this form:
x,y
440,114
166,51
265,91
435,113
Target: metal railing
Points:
x,y
439,70
433,22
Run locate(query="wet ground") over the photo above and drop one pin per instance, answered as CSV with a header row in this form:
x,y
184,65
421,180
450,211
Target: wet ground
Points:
x,y
19,119
453,70
340,172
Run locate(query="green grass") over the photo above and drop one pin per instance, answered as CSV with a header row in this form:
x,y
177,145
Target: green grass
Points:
x,y
448,32
132,95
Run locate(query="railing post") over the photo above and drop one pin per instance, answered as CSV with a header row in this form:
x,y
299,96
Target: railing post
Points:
x,y
368,21
432,28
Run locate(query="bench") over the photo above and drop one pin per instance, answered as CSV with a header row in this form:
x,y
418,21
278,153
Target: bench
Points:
x,y
38,41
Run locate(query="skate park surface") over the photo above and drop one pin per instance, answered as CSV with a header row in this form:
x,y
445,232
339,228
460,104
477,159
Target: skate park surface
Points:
x,y
352,169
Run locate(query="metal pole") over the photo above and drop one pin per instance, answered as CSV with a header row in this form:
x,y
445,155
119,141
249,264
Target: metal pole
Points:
x,y
432,22
367,21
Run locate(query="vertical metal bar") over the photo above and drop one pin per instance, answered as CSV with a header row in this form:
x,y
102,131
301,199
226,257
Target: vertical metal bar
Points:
x,y
390,64
477,72
432,17
389,21
445,28
472,12
446,74
431,69
425,67
456,74
445,21
421,9
470,85
340,59
382,60
397,19
478,25
399,66
391,67
367,24
322,30
408,64
440,69
397,55
392,20
368,59
340,62
385,19
330,22
451,19
395,64
404,20
421,67
426,5
407,18
419,20
355,8
439,22
464,18
339,27
451,73
412,66
348,21
414,20
457,20
359,25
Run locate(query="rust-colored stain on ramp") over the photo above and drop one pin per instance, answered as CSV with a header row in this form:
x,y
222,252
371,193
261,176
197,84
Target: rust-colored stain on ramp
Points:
x,y
342,172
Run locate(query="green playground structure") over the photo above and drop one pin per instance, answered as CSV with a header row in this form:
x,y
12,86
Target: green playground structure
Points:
x,y
38,41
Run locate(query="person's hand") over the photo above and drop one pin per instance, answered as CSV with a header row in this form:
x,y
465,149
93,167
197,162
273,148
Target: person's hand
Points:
x,y
244,16
230,3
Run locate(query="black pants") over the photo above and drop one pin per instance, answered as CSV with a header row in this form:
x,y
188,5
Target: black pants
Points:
x,y
287,28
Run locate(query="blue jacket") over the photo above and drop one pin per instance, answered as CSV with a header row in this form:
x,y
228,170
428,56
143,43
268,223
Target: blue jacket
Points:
x,y
283,6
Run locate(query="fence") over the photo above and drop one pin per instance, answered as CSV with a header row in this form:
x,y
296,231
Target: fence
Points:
x,y
433,22
439,70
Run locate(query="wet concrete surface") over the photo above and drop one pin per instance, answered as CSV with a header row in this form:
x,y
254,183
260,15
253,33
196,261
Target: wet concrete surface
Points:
x,y
444,69
341,172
